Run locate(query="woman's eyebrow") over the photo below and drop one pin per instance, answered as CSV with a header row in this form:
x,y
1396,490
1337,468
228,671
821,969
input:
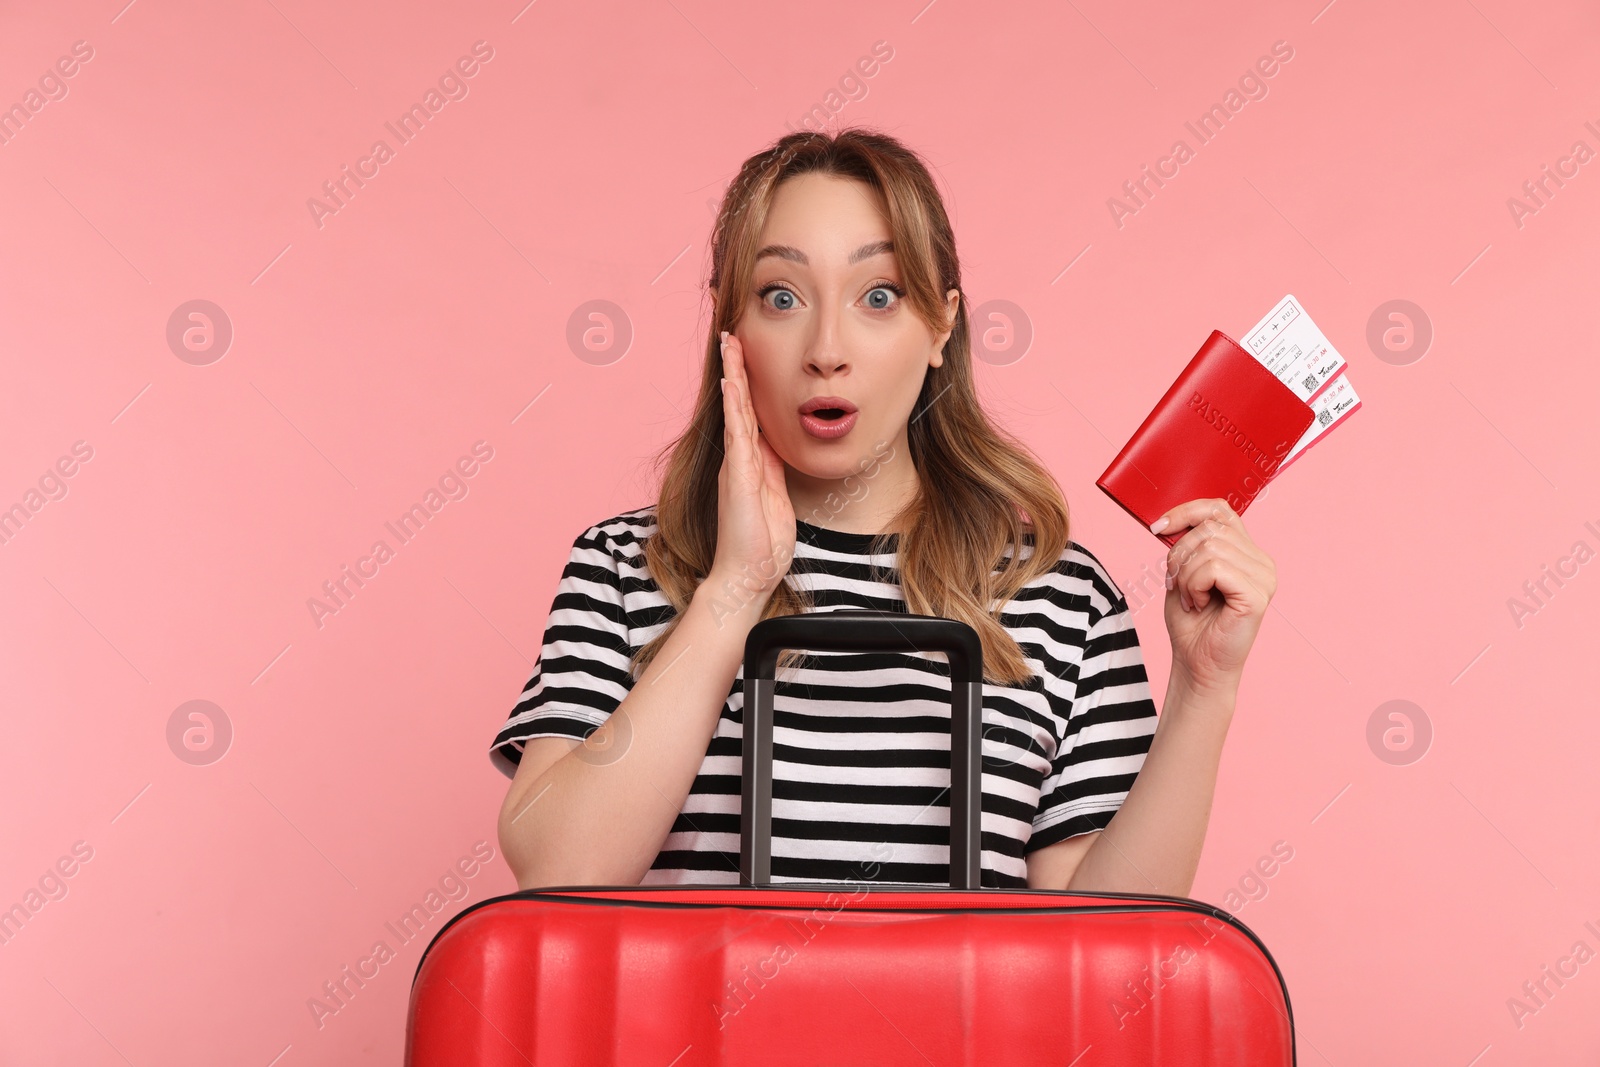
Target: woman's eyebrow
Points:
x,y
789,252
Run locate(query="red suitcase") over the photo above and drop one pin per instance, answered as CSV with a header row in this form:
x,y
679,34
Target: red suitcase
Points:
x,y
851,973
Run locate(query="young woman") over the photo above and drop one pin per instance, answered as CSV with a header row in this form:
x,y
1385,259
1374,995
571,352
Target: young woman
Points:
x,y
838,457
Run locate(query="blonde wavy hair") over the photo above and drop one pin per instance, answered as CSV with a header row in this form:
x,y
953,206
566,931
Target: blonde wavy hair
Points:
x,y
982,493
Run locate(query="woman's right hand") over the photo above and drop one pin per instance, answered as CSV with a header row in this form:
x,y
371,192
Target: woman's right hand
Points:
x,y
755,519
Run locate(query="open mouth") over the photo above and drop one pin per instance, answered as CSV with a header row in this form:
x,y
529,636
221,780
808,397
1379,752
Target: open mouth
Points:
x,y
827,417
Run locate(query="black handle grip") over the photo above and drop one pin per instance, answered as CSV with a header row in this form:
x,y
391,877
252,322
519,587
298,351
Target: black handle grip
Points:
x,y
864,630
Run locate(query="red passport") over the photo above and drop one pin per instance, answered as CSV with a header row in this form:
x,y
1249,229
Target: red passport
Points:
x,y
1221,430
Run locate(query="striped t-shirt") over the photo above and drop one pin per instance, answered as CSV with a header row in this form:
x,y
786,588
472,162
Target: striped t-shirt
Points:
x,y
861,742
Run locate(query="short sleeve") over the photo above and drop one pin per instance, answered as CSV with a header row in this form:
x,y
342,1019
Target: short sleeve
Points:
x,y
1108,730
581,674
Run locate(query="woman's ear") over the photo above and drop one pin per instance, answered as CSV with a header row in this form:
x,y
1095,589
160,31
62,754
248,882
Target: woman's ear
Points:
x,y
952,304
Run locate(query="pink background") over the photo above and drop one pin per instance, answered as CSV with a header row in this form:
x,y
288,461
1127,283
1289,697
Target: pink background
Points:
x,y
432,310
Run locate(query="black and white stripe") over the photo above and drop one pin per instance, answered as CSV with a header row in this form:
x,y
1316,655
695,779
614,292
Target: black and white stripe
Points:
x,y
861,741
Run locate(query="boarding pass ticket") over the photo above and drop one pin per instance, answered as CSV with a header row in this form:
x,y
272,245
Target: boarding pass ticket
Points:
x,y
1337,402
1291,346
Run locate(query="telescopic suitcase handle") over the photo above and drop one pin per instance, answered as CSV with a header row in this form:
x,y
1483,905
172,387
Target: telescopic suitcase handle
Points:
x,y
863,630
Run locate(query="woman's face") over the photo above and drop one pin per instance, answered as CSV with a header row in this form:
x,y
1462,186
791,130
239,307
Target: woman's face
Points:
x,y
828,319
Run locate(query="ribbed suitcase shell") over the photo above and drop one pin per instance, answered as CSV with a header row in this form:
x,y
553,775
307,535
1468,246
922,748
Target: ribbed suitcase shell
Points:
x,y
693,976
851,973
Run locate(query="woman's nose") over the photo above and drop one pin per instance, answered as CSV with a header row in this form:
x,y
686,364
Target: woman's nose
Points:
x,y
827,364
826,357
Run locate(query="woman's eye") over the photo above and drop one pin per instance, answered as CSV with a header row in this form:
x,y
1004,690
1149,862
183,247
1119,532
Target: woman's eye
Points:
x,y
777,289
878,301
783,299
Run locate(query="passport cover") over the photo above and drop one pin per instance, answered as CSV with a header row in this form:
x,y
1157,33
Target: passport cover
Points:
x,y
1221,430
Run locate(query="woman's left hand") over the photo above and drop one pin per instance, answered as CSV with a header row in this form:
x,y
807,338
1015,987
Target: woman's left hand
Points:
x,y
1219,584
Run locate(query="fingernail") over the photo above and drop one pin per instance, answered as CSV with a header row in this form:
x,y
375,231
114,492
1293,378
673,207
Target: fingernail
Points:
x,y
724,386
1160,524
